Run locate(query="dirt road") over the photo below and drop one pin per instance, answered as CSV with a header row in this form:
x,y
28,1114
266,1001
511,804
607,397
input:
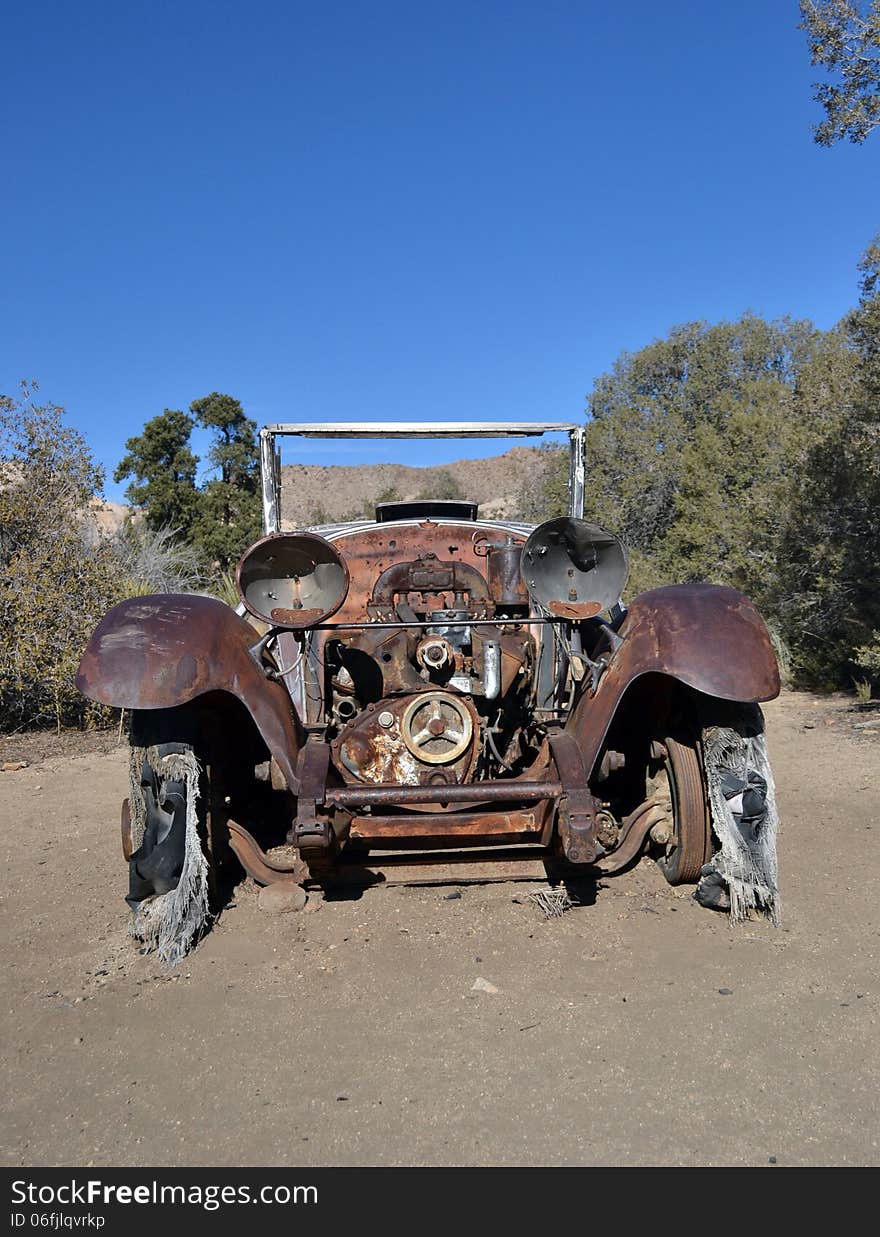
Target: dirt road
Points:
x,y
638,1030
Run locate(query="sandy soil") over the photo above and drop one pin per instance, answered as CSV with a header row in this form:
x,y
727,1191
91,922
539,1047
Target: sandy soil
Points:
x,y
354,1035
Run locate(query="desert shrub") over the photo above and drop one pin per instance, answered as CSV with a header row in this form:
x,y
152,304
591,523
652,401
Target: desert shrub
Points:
x,y
867,659
544,489
58,575
225,589
156,560
317,516
748,453
440,483
56,580
390,494
829,567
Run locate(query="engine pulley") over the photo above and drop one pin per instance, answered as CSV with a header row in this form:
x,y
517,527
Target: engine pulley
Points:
x,y
437,728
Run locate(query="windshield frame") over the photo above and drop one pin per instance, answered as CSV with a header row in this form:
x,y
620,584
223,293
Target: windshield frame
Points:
x,y
270,454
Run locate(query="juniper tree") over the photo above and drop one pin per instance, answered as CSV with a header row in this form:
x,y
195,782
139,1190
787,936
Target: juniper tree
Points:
x,y
845,40
229,511
163,468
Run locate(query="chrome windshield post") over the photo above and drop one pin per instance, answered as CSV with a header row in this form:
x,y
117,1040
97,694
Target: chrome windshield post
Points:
x,y
576,472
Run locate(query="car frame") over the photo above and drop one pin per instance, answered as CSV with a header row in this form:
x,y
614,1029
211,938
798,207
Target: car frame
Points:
x,y
430,696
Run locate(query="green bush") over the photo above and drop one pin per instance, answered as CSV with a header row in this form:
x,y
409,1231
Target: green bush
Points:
x,y
748,453
56,580
58,575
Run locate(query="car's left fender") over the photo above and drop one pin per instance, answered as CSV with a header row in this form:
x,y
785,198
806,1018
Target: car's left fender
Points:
x,y
708,637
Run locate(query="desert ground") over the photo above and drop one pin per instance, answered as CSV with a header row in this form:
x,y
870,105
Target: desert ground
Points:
x,y
640,1029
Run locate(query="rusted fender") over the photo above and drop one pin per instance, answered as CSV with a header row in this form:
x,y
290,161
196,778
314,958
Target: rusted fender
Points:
x,y
707,636
162,650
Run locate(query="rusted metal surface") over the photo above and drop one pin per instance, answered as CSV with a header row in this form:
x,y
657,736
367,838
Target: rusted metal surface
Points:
x,y
371,551
437,728
162,650
396,655
503,570
576,611
704,635
434,653
386,743
295,618
310,829
508,791
125,824
263,868
379,727
393,654
577,808
429,574
637,826
446,826
534,620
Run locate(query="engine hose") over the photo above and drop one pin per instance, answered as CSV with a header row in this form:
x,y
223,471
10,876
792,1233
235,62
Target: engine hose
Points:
x,y
490,735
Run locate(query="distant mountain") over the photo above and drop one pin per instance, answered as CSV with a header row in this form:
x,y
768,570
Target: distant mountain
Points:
x,y
108,517
322,494
502,485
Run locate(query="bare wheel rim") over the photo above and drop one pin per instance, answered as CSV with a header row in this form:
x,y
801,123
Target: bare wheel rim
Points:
x,y
690,844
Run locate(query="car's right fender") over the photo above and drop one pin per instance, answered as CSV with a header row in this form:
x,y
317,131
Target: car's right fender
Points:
x,y
164,650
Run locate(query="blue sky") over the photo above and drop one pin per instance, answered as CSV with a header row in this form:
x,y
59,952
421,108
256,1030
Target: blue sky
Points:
x,y
366,210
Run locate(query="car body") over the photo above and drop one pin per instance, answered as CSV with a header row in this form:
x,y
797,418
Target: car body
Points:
x,y
424,696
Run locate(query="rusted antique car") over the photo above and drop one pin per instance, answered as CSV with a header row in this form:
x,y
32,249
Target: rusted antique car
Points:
x,y
431,695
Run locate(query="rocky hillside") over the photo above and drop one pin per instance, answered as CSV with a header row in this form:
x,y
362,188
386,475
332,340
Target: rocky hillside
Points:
x,y
108,517
318,494
503,485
